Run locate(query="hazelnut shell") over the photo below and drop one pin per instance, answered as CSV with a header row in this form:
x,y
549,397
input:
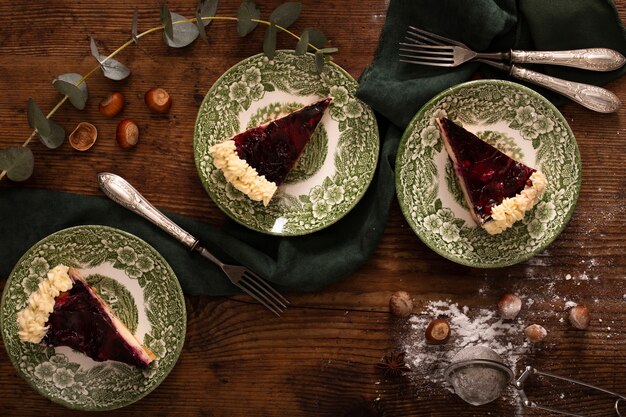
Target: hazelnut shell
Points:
x,y
400,304
509,306
112,105
579,317
83,137
127,133
535,333
158,100
438,332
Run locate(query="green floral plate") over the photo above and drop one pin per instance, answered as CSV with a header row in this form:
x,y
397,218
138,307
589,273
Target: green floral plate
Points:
x,y
336,166
519,122
139,286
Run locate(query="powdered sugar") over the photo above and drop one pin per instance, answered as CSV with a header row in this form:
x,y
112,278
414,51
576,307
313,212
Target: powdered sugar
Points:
x,y
469,328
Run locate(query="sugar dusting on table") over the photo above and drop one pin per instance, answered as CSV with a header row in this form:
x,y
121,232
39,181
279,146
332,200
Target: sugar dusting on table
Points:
x,y
469,328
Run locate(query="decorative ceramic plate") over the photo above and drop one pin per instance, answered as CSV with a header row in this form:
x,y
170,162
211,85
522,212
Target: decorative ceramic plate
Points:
x,y
137,284
520,123
336,166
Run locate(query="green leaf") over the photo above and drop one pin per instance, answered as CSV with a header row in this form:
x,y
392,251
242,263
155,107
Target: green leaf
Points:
x,y
111,68
316,37
18,162
247,11
166,21
319,61
200,27
55,138
269,44
36,119
438,204
184,33
286,14
207,8
268,87
67,84
536,143
303,43
133,27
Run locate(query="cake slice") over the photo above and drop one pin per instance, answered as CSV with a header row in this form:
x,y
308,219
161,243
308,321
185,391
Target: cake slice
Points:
x,y
65,311
498,189
258,160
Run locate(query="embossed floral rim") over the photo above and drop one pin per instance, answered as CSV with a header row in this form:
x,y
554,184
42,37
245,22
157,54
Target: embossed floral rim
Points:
x,y
417,175
175,306
354,157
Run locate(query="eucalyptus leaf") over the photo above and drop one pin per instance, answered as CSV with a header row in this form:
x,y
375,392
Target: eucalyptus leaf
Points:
x,y
247,11
36,119
18,162
327,51
133,28
68,84
286,14
319,61
316,37
207,8
184,33
269,43
114,69
303,43
111,68
55,138
200,26
166,21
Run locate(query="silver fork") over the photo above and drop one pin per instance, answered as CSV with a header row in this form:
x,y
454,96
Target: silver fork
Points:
x,y
587,95
120,191
448,52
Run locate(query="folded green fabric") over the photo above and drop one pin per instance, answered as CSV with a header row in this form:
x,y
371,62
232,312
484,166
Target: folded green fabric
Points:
x,y
304,263
397,90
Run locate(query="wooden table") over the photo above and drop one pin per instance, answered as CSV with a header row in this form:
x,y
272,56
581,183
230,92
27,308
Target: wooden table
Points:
x,y
320,358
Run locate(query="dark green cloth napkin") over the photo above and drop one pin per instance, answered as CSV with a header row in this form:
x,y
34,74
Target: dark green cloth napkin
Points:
x,y
397,90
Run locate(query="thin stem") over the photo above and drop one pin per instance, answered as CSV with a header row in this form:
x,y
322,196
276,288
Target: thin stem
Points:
x,y
130,42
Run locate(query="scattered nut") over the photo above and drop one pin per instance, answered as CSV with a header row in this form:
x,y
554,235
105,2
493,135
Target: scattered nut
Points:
x,y
112,105
158,100
84,136
127,133
509,306
400,304
535,333
438,332
579,317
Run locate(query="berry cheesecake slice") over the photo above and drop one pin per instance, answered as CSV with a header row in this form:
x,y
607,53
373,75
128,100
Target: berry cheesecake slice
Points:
x,y
258,160
65,311
499,190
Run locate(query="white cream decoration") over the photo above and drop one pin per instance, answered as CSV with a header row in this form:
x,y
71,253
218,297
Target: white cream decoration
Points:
x,y
241,175
32,319
513,209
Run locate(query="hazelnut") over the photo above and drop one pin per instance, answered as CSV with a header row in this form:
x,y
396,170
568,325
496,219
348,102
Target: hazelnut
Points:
x,y
127,133
579,317
112,105
400,304
535,333
84,136
437,332
158,100
509,306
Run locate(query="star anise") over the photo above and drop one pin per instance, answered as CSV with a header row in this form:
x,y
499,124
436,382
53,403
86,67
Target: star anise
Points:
x,y
393,364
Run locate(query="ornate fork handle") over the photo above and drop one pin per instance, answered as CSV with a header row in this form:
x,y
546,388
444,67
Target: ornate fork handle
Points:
x,y
124,194
590,96
595,59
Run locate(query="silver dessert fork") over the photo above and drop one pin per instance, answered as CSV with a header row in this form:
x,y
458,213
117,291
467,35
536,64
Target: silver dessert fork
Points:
x,y
587,95
424,45
120,191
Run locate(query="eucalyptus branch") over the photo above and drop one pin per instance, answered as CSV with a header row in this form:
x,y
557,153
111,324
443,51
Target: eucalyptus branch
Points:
x,y
282,17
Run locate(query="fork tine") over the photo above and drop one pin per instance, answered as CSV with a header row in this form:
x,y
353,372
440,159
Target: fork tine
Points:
x,y
261,285
428,53
432,36
429,60
419,39
268,287
252,294
430,64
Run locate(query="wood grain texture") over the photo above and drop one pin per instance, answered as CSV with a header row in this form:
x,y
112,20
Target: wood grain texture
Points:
x,y
319,358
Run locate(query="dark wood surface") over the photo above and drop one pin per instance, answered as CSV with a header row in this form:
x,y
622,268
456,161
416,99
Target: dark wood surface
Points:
x,y
320,358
